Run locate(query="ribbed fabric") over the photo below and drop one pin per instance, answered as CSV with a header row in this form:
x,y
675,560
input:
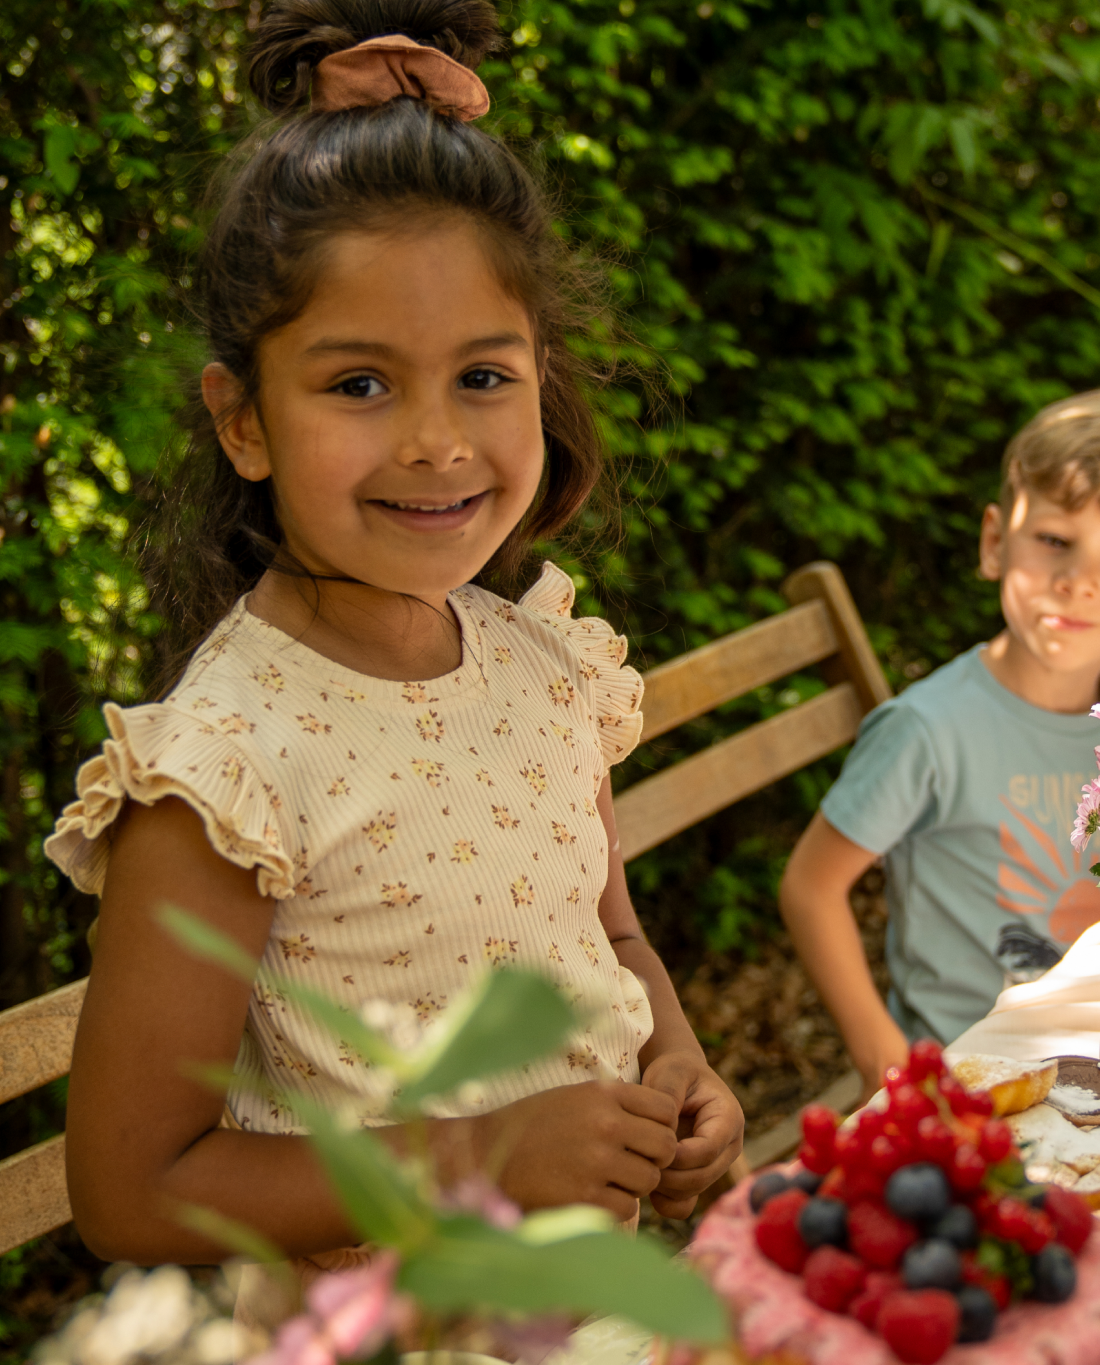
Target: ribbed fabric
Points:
x,y
412,834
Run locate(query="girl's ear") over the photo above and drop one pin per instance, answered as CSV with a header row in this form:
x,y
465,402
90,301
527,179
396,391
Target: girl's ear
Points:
x,y
237,423
991,544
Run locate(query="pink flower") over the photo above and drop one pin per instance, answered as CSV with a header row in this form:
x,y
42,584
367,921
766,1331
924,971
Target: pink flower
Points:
x,y
1088,816
533,1340
353,1313
477,1194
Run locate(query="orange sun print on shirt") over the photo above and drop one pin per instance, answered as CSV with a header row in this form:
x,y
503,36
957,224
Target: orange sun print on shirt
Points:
x,y
1061,886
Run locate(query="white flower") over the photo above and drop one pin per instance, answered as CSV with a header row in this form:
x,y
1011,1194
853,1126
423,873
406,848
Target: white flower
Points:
x,y
144,1315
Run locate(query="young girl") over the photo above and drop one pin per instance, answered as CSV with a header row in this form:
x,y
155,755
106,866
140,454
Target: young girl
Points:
x,y
378,777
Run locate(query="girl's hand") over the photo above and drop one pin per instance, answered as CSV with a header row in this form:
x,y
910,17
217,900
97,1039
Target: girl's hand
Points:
x,y
600,1142
710,1128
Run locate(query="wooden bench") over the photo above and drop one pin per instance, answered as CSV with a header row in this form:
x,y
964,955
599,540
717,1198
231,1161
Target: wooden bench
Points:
x,y
822,627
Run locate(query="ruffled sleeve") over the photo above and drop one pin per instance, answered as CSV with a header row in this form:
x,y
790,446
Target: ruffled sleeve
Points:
x,y
155,751
616,687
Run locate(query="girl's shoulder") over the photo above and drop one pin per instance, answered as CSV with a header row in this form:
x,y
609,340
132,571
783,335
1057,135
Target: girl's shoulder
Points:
x,y
586,653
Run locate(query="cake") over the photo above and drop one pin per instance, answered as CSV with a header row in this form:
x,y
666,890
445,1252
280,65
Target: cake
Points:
x,y
914,1232
1011,1085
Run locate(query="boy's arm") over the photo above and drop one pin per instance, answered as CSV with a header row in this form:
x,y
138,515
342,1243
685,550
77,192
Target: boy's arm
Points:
x,y
813,900
711,1123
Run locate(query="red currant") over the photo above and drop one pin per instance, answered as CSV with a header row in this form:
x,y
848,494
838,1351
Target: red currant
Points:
x,y
955,1095
995,1141
870,1124
814,1159
978,1102
908,1106
819,1125
850,1149
888,1153
926,1059
935,1141
967,1170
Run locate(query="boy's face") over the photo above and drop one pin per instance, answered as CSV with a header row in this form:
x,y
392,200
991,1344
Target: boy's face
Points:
x,y
1048,563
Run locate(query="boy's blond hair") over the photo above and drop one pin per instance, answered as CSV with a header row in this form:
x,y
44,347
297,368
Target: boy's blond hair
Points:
x,y
1056,455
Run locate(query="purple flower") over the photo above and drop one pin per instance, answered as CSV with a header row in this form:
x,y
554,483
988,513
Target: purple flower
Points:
x,y
477,1194
1088,816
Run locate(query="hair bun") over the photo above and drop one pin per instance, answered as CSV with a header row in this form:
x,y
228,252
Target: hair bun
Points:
x,y
295,35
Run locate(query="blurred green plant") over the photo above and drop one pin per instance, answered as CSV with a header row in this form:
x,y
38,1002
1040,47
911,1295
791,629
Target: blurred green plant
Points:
x,y
863,238
554,1261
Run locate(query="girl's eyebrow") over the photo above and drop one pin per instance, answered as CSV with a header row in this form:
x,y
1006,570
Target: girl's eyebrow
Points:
x,y
361,346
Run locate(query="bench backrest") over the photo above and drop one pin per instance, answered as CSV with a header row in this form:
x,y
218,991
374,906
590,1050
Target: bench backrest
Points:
x,y
822,627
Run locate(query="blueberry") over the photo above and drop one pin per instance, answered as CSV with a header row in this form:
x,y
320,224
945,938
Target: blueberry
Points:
x,y
934,1264
957,1226
767,1187
824,1222
978,1313
809,1181
920,1192
1055,1274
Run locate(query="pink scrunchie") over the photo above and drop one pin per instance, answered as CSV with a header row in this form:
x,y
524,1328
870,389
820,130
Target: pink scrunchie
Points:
x,y
382,69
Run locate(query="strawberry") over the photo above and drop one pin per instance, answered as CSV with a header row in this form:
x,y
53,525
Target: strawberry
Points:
x,y
919,1325
777,1233
866,1305
833,1278
878,1236
1070,1215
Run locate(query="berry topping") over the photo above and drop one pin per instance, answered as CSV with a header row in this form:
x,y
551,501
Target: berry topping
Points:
x,y
1015,1221
908,1106
919,1326
824,1222
967,1169
819,1125
934,1264
817,1159
777,1233
925,1059
880,1285
977,1313
809,1181
833,1278
996,1286
890,1152
995,1141
851,1149
1071,1216
935,1141
878,1236
957,1226
919,1192
767,1187
1055,1274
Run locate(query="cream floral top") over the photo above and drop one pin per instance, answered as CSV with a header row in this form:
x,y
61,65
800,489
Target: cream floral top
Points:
x,y
413,835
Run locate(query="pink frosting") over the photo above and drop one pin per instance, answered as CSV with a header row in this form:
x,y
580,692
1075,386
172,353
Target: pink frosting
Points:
x,y
774,1314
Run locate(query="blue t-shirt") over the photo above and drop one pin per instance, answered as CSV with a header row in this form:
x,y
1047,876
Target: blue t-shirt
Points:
x,y
970,793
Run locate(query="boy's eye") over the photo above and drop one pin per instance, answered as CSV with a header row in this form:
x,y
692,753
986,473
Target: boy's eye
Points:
x,y
360,386
1055,542
483,379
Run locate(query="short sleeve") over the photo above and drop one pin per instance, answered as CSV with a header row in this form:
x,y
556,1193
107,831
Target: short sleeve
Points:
x,y
616,687
888,785
155,751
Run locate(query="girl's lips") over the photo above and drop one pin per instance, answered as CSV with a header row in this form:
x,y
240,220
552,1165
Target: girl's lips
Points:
x,y
1065,623
418,515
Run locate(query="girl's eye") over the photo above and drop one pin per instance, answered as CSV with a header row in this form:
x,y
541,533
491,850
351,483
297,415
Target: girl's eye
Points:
x,y
360,386
483,379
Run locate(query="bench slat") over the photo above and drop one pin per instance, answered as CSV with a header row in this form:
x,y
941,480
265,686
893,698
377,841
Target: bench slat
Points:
x,y
33,1195
655,809
695,683
36,1040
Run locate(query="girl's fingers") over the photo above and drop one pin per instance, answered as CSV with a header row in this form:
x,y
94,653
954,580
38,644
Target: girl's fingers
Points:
x,y
645,1103
683,1184
652,1141
634,1174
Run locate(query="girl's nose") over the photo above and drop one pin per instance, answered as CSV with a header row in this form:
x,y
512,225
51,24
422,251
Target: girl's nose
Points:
x,y
433,436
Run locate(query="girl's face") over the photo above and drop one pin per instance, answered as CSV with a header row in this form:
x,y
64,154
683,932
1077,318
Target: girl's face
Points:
x,y
398,416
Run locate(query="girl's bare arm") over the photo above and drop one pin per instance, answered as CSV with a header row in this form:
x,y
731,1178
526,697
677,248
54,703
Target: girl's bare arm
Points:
x,y
711,1124
813,900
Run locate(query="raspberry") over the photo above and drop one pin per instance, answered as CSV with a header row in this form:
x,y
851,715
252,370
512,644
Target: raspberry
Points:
x,y
995,1141
920,1325
1071,1216
908,1106
878,1236
817,1159
967,1170
819,1125
777,1233
880,1285
925,1059
833,1278
935,1141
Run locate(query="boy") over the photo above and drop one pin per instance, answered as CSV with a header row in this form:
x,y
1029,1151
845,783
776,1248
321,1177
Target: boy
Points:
x,y
967,783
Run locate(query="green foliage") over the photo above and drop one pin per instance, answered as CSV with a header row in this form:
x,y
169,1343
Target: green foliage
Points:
x,y
863,239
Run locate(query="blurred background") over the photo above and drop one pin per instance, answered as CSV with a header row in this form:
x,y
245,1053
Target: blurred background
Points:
x,y
863,240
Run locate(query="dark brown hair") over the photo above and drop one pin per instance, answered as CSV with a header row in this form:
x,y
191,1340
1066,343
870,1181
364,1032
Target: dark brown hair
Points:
x,y
298,181
1057,454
